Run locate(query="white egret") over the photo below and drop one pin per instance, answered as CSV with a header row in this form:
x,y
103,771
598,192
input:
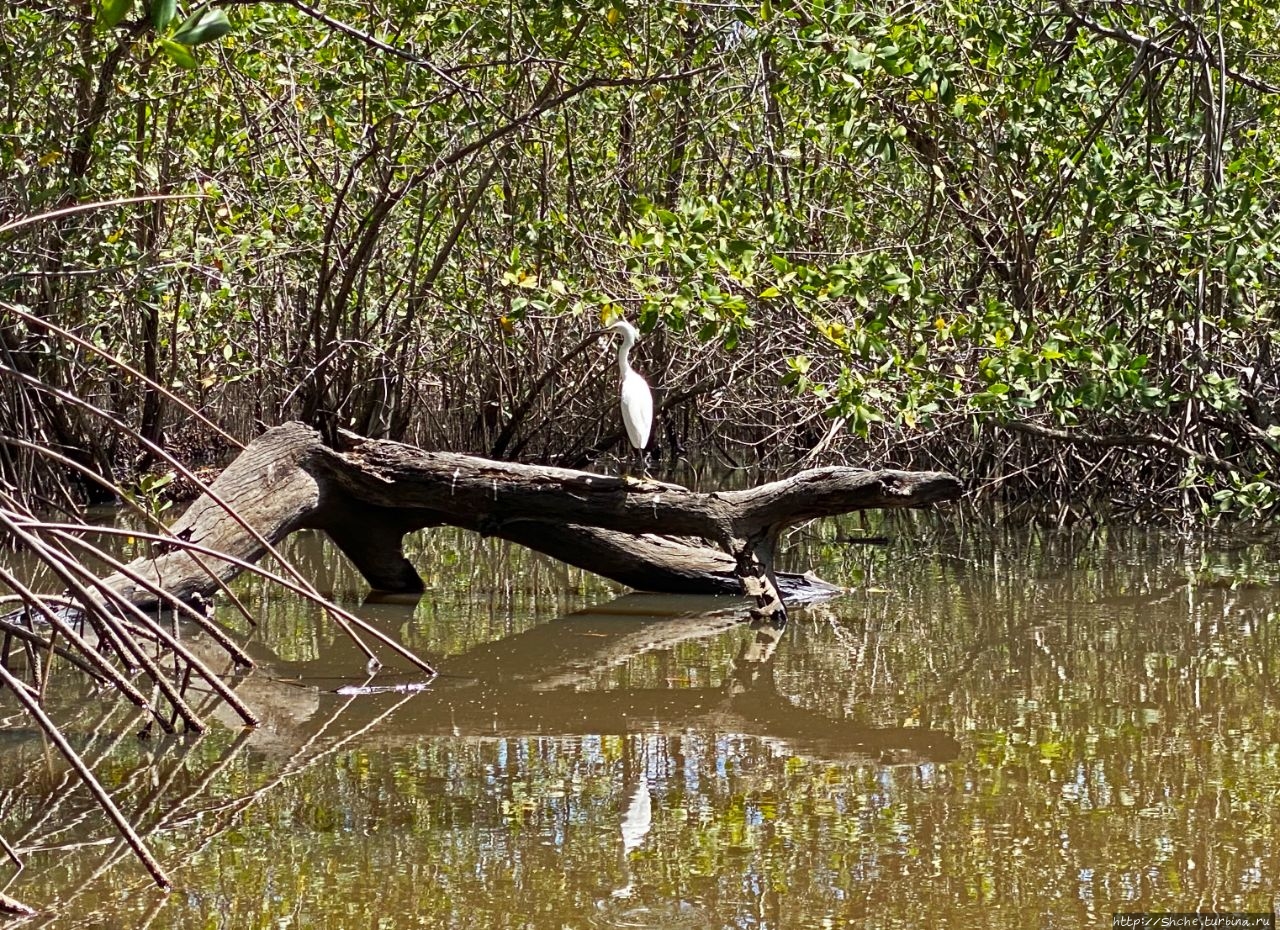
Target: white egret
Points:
x,y
637,399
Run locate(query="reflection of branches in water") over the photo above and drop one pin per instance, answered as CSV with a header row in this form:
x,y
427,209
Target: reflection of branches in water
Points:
x,y
481,589
1024,610
112,653
60,793
113,856
28,835
165,779
858,651
294,765
205,821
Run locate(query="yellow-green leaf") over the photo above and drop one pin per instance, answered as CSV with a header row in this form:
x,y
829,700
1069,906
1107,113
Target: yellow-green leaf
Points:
x,y
180,54
112,11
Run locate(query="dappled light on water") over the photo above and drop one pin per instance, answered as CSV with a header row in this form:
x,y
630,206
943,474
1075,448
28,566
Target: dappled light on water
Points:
x,y
994,728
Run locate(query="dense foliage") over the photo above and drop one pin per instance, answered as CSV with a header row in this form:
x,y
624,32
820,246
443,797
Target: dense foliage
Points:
x,y
1035,246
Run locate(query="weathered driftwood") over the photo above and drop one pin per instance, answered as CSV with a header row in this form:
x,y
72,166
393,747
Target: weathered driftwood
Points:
x,y
369,493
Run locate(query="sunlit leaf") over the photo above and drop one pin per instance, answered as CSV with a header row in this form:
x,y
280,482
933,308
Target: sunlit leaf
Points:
x,y
180,54
113,11
210,26
162,12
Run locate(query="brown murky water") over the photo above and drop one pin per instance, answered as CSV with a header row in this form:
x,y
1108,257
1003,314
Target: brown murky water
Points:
x,y
1004,729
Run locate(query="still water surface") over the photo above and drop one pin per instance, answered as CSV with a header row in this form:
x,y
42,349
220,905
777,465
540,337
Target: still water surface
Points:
x,y
995,728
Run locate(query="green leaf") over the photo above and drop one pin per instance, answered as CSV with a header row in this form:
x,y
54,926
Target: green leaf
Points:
x,y
207,26
858,60
112,11
194,17
162,12
180,53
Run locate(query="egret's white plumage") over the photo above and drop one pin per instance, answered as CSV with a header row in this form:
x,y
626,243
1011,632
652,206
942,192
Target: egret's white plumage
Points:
x,y
637,399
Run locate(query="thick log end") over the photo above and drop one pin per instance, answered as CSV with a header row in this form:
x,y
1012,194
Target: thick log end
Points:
x,y
920,488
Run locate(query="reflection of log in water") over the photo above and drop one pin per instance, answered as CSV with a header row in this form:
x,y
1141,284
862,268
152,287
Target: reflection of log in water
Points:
x,y
489,710
367,495
571,651
539,683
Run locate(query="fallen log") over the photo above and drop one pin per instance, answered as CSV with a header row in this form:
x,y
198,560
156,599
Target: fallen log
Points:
x,y
367,494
